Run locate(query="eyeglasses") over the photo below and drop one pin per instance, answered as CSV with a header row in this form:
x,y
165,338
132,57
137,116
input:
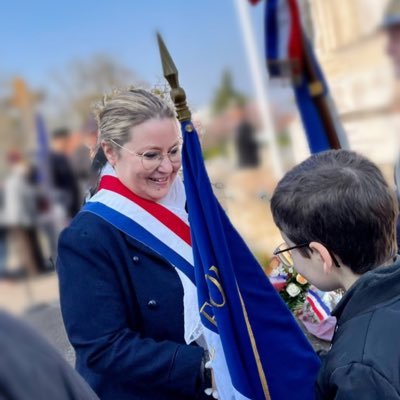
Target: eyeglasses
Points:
x,y
284,254
152,159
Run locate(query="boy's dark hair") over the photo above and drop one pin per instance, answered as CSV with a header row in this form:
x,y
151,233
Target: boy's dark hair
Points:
x,y
340,199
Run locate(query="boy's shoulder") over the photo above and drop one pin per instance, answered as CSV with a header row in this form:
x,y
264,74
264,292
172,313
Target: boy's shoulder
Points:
x,y
364,347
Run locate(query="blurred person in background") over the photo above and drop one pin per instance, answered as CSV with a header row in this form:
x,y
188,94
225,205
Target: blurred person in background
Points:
x,y
82,156
247,148
130,314
62,198
64,182
24,252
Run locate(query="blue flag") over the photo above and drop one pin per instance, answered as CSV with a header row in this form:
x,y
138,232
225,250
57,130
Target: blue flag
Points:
x,y
257,349
290,55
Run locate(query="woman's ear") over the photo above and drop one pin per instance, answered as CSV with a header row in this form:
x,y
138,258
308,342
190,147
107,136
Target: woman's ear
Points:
x,y
324,255
109,152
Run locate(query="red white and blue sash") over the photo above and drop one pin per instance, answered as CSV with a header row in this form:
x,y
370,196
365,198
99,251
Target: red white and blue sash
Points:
x,y
318,306
162,227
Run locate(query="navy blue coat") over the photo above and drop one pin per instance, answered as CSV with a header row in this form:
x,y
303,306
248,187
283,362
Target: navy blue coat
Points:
x,y
122,306
363,363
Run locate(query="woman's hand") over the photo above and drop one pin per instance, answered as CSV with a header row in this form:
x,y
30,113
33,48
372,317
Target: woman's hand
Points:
x,y
212,391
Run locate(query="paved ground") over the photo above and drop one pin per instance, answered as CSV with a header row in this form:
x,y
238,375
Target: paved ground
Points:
x,y
17,297
36,301
47,320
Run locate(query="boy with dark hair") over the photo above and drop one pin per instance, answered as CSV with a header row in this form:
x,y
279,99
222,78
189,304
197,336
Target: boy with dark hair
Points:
x,y
337,216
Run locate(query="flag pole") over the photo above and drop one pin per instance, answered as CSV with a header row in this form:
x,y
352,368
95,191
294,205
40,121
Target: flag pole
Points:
x,y
170,71
242,11
316,89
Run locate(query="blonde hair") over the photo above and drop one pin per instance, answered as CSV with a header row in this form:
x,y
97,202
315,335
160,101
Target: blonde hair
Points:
x,y
121,111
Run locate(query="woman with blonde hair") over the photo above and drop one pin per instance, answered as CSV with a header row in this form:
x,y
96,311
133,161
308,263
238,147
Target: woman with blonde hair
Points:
x,y
127,293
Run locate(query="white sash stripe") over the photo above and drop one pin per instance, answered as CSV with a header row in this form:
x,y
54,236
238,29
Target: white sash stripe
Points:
x,y
136,213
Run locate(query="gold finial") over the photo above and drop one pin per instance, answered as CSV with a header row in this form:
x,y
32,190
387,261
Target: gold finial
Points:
x,y
178,95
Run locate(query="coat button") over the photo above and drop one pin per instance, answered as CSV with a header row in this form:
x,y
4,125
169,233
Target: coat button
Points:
x,y
152,304
135,259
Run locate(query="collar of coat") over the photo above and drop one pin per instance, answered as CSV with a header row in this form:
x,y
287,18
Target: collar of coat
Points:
x,y
372,290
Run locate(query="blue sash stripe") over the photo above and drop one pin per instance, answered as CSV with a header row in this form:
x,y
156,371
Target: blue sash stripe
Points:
x,y
137,232
320,302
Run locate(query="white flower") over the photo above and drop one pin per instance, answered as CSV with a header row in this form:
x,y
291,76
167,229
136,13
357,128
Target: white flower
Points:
x,y
291,270
293,289
275,272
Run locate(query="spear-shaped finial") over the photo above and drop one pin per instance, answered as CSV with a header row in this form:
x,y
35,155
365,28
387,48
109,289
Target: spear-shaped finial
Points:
x,y
178,95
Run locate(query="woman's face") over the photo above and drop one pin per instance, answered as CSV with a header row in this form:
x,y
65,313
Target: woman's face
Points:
x,y
152,137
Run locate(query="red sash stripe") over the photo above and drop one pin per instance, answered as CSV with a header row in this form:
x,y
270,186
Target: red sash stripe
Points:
x,y
315,309
165,216
295,39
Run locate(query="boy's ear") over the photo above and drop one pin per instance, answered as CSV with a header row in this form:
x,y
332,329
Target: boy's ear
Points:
x,y
323,254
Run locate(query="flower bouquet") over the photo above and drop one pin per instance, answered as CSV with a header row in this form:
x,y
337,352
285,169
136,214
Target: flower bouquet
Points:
x,y
291,286
310,305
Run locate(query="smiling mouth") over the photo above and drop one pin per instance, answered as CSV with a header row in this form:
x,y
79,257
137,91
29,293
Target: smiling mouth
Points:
x,y
160,180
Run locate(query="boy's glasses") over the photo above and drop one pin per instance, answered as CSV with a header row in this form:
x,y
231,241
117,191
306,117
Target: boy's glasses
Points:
x,y
152,159
284,254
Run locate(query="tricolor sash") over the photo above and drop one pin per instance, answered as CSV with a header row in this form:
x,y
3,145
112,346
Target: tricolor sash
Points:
x,y
320,309
163,228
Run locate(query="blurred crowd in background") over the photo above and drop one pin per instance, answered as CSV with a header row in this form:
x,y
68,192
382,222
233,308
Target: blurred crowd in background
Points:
x,y
47,174
40,193
49,136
